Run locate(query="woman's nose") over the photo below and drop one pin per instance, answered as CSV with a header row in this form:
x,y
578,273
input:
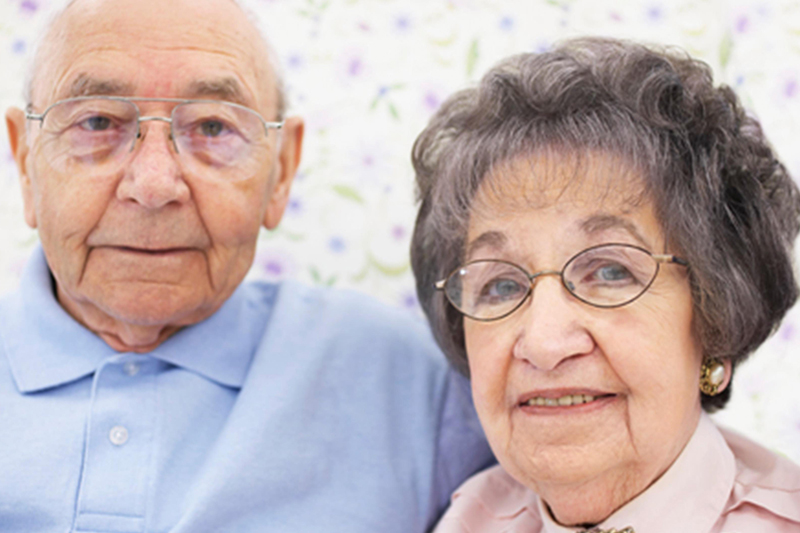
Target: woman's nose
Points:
x,y
551,327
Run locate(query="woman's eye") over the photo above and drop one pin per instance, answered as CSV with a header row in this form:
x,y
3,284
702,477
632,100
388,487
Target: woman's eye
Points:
x,y
501,289
612,273
96,123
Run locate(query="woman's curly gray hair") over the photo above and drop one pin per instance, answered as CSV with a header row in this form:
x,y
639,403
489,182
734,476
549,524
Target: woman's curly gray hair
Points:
x,y
724,200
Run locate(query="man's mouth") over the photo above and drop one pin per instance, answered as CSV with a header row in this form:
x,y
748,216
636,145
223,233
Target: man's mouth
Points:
x,y
151,251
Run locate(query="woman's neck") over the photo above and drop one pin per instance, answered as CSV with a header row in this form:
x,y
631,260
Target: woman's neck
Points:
x,y
581,501
589,503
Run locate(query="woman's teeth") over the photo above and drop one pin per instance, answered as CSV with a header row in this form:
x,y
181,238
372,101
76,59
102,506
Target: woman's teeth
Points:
x,y
570,399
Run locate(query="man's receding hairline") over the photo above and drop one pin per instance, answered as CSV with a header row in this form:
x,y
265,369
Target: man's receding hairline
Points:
x,y
52,25
223,88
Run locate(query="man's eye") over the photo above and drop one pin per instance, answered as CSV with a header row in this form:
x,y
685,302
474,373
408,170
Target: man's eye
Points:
x,y
212,128
96,123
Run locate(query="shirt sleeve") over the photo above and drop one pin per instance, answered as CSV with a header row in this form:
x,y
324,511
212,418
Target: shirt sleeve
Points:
x,y
461,448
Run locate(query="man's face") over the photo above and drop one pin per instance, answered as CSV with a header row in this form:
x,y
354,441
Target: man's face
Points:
x,y
139,251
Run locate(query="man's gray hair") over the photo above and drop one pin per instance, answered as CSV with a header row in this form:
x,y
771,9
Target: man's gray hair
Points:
x,y
724,201
57,9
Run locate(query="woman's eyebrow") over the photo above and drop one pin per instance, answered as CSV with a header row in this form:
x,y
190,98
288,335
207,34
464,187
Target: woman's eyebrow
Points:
x,y
601,222
491,239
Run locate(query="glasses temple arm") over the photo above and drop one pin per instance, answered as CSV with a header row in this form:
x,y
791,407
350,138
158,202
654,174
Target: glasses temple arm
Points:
x,y
668,258
271,125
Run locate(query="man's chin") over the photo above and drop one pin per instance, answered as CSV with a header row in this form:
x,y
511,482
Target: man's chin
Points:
x,y
134,343
142,325
139,317
150,304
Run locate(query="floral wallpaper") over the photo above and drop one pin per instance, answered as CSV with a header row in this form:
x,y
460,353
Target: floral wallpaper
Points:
x,y
367,74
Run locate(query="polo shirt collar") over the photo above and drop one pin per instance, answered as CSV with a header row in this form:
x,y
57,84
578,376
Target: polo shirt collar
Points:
x,y
47,348
222,346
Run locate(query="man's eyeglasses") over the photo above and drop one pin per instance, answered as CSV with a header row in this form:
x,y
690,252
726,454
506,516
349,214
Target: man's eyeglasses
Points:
x,y
97,134
608,275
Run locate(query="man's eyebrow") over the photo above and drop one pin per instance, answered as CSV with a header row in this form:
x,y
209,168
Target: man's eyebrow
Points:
x,y
490,239
602,222
85,85
227,89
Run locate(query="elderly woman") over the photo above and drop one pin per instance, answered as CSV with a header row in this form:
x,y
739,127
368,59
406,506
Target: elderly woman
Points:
x,y
603,237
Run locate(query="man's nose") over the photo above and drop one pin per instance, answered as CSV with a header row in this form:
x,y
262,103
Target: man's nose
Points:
x,y
551,328
154,177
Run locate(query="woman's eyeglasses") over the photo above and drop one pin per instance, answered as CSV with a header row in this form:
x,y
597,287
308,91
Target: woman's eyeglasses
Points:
x,y
608,275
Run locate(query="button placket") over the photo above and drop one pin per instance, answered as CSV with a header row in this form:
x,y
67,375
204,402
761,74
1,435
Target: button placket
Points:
x,y
120,435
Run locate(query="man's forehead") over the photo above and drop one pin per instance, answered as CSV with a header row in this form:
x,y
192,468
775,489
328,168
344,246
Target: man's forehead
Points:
x,y
222,88
78,56
93,9
133,19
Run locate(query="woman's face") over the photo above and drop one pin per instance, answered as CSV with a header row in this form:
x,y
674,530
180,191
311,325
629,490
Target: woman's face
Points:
x,y
640,362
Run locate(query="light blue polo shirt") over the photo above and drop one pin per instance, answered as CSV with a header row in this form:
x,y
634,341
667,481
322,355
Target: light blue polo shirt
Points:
x,y
291,409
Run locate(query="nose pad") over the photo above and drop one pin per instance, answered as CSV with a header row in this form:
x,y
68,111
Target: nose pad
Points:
x,y
141,135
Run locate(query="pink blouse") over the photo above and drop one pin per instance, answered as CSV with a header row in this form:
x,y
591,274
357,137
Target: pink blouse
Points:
x,y
720,483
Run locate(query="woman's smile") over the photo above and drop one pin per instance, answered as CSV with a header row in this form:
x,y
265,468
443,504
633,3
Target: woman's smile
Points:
x,y
564,401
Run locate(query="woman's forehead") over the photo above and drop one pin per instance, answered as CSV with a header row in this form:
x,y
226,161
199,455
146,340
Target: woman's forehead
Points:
x,y
569,201
561,178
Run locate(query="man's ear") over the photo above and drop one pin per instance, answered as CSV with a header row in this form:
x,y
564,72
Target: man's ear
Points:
x,y
17,139
291,148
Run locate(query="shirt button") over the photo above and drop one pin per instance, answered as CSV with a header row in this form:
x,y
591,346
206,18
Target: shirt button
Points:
x,y
131,368
118,435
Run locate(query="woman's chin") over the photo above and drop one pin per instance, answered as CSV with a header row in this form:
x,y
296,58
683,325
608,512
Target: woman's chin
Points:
x,y
581,452
571,436
561,468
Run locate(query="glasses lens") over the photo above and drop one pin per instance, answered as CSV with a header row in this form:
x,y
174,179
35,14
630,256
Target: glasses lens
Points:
x,y
611,275
487,289
219,136
83,133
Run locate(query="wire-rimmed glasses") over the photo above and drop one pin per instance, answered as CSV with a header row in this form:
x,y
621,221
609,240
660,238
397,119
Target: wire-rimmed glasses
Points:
x,y
97,134
607,275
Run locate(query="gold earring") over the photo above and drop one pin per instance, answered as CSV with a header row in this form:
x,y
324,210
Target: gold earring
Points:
x,y
712,374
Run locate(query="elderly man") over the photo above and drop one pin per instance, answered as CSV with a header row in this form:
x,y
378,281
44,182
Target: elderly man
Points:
x,y
142,388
